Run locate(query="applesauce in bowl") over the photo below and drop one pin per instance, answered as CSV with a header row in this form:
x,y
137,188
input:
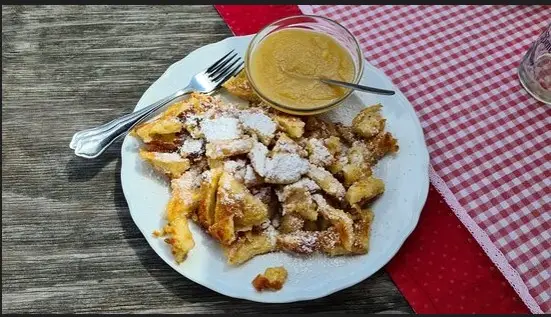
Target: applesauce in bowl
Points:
x,y
286,58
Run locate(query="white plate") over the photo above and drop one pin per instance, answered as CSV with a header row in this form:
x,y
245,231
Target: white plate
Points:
x,y
396,211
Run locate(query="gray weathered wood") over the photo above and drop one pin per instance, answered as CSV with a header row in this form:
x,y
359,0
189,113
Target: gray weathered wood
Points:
x,y
68,242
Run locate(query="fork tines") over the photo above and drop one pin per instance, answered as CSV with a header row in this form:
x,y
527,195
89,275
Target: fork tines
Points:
x,y
225,67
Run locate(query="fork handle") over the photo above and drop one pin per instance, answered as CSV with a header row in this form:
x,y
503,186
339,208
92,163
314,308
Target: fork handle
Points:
x,y
91,143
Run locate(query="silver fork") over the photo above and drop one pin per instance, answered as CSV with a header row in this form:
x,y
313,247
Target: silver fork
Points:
x,y
91,143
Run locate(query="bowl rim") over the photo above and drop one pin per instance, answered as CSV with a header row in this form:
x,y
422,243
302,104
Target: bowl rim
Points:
x,y
310,111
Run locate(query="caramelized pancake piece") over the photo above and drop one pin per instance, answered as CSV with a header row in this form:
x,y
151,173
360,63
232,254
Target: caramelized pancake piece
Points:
x,y
369,122
250,245
256,122
164,143
285,144
171,164
234,198
338,150
346,133
223,230
364,190
197,103
337,167
326,181
207,191
362,230
381,145
352,173
333,145
319,154
290,223
229,205
293,126
318,128
284,168
179,238
149,131
272,279
228,148
302,242
296,198
240,87
215,163
358,163
341,221
359,154
330,242
185,195
178,107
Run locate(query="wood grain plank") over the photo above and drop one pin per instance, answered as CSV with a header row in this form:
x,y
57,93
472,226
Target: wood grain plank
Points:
x,y
68,242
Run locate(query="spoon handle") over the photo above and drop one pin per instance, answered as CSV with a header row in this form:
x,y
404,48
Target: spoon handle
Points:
x,y
358,87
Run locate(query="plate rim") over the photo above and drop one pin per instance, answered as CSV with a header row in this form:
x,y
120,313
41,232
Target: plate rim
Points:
x,y
419,204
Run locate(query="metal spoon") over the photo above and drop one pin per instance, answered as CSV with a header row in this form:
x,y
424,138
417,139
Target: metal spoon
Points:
x,y
357,87
341,83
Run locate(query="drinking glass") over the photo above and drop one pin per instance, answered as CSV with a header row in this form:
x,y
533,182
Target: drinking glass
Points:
x,y
535,68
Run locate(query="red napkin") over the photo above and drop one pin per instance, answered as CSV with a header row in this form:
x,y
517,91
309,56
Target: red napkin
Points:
x,y
249,19
440,268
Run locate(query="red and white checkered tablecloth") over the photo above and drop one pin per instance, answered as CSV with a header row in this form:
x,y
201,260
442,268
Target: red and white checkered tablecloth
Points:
x,y
489,141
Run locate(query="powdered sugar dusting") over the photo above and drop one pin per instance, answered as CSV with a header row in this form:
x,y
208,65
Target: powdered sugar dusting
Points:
x,y
221,149
319,154
287,145
285,168
251,178
192,147
326,181
191,123
320,201
236,168
189,180
272,234
258,123
223,128
187,184
329,238
343,159
299,241
168,157
229,196
258,156
307,184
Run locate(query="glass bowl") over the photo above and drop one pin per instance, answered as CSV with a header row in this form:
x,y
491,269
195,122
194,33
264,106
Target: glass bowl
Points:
x,y
318,24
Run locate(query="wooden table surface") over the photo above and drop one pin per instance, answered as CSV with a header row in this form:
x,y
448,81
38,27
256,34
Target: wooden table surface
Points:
x,y
68,242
